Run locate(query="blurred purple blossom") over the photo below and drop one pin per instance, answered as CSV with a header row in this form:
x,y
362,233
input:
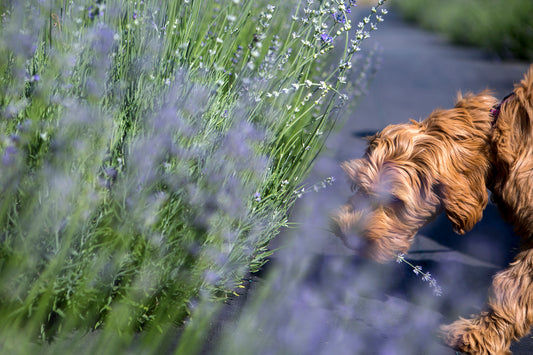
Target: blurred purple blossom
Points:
x,y
339,17
326,38
91,13
9,155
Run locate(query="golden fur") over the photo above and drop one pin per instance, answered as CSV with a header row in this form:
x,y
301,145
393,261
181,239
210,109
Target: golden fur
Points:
x,y
412,172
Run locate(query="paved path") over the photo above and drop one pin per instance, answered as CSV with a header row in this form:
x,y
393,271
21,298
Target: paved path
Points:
x,y
321,300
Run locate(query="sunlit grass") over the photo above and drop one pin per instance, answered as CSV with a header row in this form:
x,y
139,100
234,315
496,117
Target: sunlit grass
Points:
x,y
502,27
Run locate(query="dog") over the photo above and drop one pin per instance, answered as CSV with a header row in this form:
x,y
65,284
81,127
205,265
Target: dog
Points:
x,y
412,172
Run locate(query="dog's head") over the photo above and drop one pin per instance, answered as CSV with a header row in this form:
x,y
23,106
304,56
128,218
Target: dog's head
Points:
x,y
412,172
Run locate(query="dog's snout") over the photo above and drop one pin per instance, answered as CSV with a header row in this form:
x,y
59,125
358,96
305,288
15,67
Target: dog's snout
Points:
x,y
356,242
349,224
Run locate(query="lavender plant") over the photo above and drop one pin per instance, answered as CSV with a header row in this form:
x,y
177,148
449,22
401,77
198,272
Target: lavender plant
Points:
x,y
425,276
150,152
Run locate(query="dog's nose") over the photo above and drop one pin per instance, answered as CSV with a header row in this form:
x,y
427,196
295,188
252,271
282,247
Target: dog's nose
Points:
x,y
350,224
356,242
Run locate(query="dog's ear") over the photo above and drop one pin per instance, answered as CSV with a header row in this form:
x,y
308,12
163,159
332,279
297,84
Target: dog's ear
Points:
x,y
458,154
463,201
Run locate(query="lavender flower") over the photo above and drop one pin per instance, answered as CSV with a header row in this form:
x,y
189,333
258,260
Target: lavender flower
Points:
x,y
9,155
91,13
325,38
426,276
400,258
339,17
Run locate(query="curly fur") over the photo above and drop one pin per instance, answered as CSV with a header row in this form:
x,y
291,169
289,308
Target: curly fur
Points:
x,y
412,172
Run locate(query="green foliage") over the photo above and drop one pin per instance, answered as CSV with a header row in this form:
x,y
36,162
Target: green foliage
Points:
x,y
500,26
150,152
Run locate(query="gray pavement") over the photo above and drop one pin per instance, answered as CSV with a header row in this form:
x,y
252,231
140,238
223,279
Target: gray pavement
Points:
x,y
419,72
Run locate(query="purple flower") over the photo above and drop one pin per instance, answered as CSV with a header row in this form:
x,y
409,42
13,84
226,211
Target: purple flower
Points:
x,y
90,12
93,11
9,155
339,17
353,2
257,197
36,77
325,38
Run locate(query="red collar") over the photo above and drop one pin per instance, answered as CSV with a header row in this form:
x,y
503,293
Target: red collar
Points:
x,y
495,110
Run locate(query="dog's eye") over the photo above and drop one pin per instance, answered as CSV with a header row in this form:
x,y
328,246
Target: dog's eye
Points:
x,y
396,202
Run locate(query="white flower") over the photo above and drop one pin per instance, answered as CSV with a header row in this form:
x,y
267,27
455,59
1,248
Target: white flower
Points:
x,y
437,291
400,258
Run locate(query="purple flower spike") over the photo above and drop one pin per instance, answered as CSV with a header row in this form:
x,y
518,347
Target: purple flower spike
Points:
x,y
325,38
339,17
9,155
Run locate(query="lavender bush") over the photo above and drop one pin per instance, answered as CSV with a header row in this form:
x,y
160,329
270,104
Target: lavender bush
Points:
x,y
150,152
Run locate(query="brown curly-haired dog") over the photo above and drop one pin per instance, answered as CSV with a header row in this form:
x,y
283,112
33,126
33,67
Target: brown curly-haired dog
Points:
x,y
412,172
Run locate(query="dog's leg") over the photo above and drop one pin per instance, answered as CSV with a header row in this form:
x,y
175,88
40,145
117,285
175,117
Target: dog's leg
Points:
x,y
510,315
